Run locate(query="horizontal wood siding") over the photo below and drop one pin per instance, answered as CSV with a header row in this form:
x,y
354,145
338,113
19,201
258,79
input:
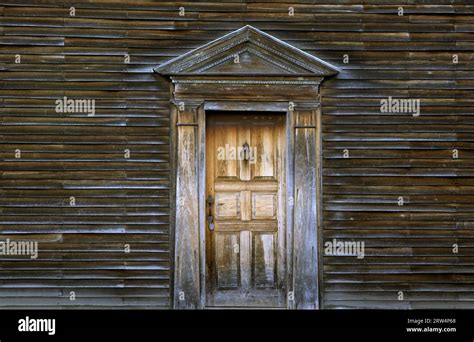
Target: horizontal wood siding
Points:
x,y
123,201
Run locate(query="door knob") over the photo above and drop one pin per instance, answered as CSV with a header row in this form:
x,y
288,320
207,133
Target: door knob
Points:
x,y
210,223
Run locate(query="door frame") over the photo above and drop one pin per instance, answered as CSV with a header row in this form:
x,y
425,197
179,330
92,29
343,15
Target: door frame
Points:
x,y
188,122
212,77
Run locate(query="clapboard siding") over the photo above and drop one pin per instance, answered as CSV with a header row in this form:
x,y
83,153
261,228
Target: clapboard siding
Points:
x,y
126,201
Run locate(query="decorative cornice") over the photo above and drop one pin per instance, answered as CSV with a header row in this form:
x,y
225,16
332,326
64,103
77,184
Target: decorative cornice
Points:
x,y
219,61
185,65
228,81
194,104
306,105
285,56
273,61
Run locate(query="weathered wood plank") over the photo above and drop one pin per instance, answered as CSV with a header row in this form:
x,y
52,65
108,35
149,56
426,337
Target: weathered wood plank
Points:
x,y
187,277
391,155
305,235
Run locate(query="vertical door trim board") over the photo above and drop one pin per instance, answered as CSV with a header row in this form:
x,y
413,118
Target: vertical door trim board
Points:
x,y
202,204
290,213
306,251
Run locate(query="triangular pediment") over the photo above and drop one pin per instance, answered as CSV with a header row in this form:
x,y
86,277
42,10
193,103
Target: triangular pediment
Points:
x,y
247,51
248,63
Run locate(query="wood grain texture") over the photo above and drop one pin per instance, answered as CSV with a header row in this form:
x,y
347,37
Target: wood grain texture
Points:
x,y
187,212
246,245
306,254
121,201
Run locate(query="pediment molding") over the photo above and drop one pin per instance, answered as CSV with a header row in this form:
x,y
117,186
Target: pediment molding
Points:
x,y
264,54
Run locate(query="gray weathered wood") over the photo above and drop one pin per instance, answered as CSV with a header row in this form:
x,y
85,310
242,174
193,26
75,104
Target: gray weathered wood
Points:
x,y
392,154
306,252
187,276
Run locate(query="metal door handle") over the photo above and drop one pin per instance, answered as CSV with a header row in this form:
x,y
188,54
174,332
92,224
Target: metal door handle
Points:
x,y
246,151
210,217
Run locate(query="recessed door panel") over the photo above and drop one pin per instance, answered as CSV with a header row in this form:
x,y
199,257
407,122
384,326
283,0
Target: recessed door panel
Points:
x,y
227,260
264,260
225,137
264,205
227,205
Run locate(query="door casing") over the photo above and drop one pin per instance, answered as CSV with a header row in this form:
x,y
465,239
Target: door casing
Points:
x,y
197,121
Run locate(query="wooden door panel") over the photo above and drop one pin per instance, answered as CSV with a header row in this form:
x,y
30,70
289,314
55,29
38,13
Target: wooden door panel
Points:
x,y
264,140
227,260
225,136
245,251
264,262
227,205
264,205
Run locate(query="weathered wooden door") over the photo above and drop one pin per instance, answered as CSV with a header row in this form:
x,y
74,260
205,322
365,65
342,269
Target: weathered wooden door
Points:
x,y
245,226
